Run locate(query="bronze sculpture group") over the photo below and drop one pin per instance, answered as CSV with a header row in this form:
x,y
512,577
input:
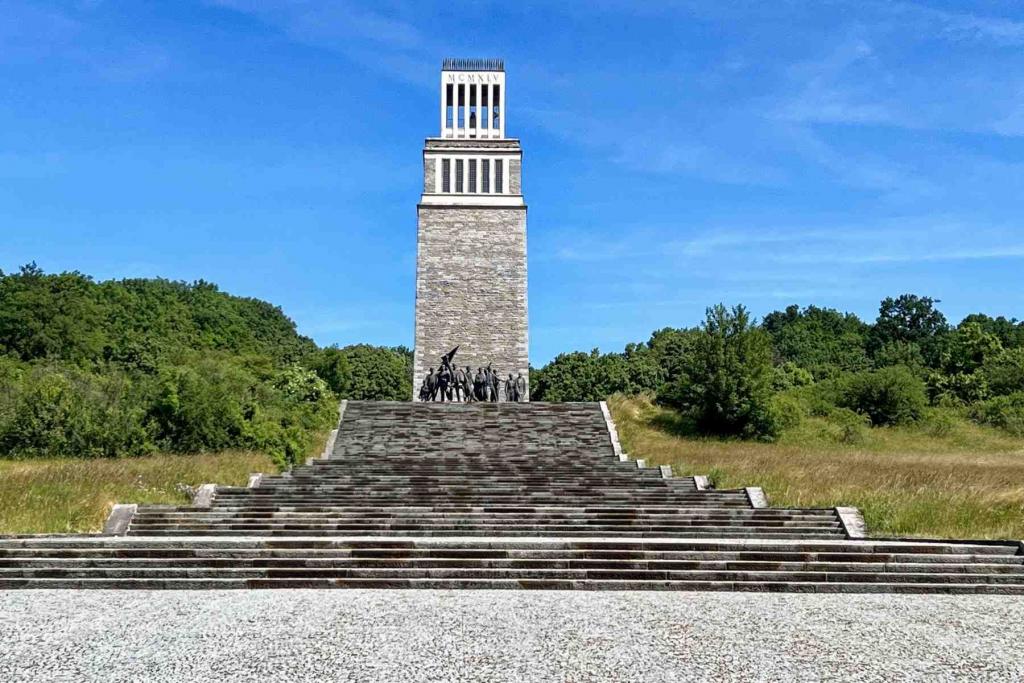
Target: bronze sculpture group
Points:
x,y
452,383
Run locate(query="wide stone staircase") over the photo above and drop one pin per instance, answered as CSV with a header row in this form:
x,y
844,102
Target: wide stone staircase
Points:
x,y
496,496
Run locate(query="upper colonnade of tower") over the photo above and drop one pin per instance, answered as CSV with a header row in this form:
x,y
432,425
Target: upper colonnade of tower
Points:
x,y
473,99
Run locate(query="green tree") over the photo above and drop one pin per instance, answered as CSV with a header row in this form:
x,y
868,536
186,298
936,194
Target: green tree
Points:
x,y
910,319
892,395
726,383
969,347
1006,412
569,377
1004,373
594,376
331,364
669,349
822,341
378,373
49,316
1010,331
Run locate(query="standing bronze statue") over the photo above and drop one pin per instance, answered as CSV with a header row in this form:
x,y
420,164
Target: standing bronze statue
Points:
x,y
444,378
479,385
520,387
429,386
493,384
459,385
467,384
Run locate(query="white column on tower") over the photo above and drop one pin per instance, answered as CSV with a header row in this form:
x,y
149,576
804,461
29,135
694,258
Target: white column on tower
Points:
x,y
443,112
465,110
504,108
455,109
476,97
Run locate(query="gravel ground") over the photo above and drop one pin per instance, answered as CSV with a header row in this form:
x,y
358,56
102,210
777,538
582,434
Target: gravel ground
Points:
x,y
368,635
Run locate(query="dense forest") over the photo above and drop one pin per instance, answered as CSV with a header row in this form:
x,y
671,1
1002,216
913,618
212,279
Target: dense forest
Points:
x,y
132,367
736,377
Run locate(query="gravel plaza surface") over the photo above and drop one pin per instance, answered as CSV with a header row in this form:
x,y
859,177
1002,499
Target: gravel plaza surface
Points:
x,y
428,635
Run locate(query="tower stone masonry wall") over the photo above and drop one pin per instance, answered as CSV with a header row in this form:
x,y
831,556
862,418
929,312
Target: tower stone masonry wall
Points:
x,y
515,176
471,289
429,173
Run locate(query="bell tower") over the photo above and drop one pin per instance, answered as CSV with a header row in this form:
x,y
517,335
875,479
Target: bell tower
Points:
x,y
471,230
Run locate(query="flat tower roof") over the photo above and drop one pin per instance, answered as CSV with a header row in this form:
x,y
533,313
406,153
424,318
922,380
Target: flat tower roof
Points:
x,y
456,64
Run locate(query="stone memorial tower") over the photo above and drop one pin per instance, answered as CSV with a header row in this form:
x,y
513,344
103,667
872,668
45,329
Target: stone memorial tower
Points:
x,y
471,237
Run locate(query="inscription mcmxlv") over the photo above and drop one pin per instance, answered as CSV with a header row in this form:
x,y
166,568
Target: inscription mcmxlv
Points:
x,y
459,77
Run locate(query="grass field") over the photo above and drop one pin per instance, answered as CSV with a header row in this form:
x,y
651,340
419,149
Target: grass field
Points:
x,y
65,495
946,478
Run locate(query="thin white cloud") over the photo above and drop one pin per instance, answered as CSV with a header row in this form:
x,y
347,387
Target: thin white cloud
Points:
x,y
644,144
1008,251
965,26
380,43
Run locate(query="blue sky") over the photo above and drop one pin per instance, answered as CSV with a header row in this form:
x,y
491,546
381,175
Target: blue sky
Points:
x,y
677,154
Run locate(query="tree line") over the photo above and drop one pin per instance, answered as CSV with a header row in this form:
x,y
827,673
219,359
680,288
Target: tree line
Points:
x,y
130,367
733,376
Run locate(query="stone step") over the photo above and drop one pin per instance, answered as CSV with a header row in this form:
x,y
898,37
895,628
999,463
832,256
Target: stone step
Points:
x,y
331,501
389,573
549,551
551,499
585,527
723,533
496,526
511,584
34,562
512,512
864,547
269,506
237,516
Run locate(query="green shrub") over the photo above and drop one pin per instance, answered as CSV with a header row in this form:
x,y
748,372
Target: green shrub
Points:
x,y
789,375
1004,373
848,426
939,422
957,389
818,399
789,411
725,383
1006,412
61,410
892,395
201,409
377,373
595,376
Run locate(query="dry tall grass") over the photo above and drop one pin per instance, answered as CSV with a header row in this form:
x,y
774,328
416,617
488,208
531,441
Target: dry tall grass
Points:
x,y
958,481
68,495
